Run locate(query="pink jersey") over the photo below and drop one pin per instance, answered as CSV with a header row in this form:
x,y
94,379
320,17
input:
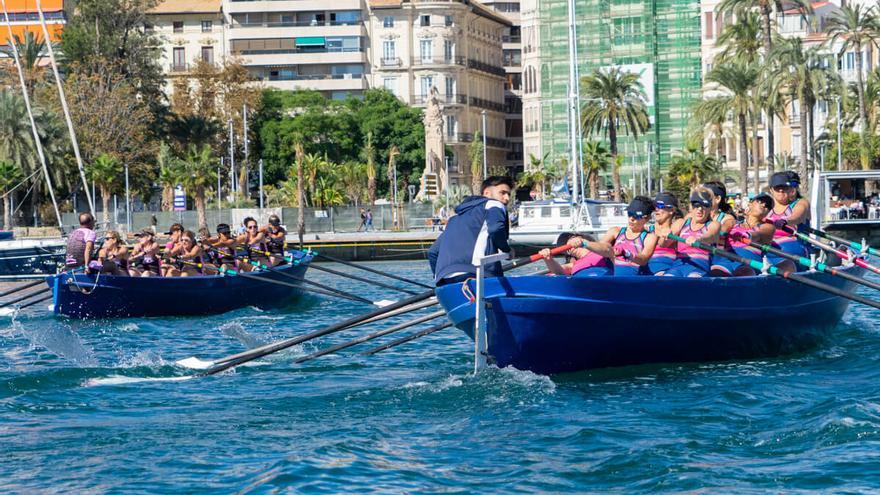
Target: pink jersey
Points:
x,y
633,246
590,260
739,237
780,235
685,251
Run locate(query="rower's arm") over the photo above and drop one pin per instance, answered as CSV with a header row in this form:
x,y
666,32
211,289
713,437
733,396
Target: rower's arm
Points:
x,y
800,213
555,268
605,245
764,233
711,234
643,257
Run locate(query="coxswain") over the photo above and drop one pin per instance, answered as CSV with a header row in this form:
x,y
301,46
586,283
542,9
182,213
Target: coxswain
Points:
x,y
276,237
144,260
113,255
789,209
584,258
698,226
81,244
254,244
479,228
752,228
664,255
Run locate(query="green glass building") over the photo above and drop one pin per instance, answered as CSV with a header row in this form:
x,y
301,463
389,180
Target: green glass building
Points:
x,y
659,39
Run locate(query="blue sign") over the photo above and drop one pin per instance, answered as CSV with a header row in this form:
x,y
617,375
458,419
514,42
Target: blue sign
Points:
x,y
179,199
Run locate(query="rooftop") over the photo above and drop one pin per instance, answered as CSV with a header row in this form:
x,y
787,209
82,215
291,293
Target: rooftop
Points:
x,y
187,7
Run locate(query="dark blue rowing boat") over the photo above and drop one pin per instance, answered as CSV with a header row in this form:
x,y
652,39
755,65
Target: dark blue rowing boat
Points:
x,y
561,324
90,296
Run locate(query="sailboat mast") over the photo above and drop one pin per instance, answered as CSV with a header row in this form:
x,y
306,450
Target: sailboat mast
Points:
x,y
573,112
70,130
27,102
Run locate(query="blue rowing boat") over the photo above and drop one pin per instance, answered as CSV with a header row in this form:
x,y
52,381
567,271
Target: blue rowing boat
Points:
x,y
90,296
550,325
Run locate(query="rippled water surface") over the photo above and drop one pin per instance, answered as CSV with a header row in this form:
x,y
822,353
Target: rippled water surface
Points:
x,y
78,413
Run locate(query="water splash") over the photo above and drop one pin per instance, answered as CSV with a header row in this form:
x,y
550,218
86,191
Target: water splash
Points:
x,y
236,330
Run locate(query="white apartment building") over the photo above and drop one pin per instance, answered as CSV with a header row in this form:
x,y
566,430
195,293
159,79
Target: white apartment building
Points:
x,y
191,30
297,44
531,80
455,47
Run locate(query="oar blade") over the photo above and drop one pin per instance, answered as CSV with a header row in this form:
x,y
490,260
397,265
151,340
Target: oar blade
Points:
x,y
194,363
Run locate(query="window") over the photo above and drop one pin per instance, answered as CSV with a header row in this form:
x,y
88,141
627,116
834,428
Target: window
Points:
x,y
850,62
795,145
208,54
426,50
448,51
388,21
425,20
346,18
177,26
451,126
389,52
448,21
427,82
795,110
390,83
179,58
450,87
207,26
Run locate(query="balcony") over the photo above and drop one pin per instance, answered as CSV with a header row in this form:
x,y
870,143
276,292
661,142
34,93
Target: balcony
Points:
x,y
270,30
391,62
178,68
309,23
488,105
240,6
442,99
463,137
484,67
511,39
420,61
514,156
320,82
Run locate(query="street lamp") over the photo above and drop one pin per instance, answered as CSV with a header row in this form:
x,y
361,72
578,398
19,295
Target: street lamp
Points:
x,y
485,165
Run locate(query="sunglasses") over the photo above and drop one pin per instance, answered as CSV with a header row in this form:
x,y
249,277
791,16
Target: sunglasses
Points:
x,y
637,217
252,227
697,204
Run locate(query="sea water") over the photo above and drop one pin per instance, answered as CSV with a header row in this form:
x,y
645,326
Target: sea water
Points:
x,y
100,407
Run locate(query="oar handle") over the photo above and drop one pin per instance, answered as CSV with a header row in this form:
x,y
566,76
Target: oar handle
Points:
x,y
535,257
840,240
840,254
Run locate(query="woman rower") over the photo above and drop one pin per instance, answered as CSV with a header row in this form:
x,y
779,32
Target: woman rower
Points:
x,y
789,209
113,256
583,261
223,248
144,261
752,228
696,226
276,237
665,212
189,261
172,248
254,243
632,246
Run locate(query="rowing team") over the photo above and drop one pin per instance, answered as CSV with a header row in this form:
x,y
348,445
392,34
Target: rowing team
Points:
x,y
647,249
185,254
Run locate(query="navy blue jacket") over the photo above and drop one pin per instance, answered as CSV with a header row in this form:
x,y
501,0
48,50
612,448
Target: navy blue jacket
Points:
x,y
479,228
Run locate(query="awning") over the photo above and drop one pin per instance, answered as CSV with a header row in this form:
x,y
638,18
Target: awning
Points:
x,y
310,41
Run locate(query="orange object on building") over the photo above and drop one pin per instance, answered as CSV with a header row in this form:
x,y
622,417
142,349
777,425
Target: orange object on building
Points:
x,y
24,17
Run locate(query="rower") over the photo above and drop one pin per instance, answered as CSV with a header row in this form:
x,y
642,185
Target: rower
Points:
x,y
189,261
631,247
113,256
223,247
479,228
752,228
276,238
664,255
254,243
172,247
789,209
144,260
696,226
81,243
583,258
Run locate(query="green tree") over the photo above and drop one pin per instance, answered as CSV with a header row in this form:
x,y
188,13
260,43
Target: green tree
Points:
x,y
169,175
736,80
105,171
534,175
741,40
10,176
198,172
614,98
689,169
370,159
352,176
30,51
597,159
855,29
475,155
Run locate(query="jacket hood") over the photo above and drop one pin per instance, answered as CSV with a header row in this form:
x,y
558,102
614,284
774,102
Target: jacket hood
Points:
x,y
471,202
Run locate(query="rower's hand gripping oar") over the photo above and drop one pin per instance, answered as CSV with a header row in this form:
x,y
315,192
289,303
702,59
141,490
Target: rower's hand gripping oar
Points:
x,y
840,254
779,273
217,366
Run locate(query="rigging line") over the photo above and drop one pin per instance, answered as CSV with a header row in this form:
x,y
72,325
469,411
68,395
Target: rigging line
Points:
x,y
7,193
23,199
71,131
27,101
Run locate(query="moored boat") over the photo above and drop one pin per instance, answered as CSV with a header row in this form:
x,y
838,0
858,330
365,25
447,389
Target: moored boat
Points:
x,y
106,296
553,325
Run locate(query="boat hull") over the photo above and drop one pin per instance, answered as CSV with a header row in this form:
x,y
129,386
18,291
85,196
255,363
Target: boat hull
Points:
x,y
557,324
87,296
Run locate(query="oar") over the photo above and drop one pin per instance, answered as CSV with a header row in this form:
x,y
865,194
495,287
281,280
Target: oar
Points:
x,y
22,287
213,367
840,240
408,338
822,267
840,254
38,301
371,270
26,296
779,273
375,335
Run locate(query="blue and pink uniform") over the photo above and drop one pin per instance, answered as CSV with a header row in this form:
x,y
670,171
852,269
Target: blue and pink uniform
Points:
x,y
783,241
691,261
663,257
738,243
591,265
622,266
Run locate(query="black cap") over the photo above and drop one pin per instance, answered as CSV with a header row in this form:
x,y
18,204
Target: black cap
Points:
x,y
274,220
764,198
785,178
701,197
665,199
716,188
640,207
223,228
175,227
145,232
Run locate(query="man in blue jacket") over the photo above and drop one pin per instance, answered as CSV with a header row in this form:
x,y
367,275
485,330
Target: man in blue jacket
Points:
x,y
479,228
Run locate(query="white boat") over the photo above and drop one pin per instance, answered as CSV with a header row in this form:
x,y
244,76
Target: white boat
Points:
x,y
542,222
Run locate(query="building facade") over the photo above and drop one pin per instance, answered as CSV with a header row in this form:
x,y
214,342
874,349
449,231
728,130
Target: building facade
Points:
x,y
190,31
657,39
24,17
454,48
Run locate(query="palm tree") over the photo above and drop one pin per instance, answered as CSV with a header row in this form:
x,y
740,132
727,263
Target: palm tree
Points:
x,y
168,175
800,76
856,29
352,176
741,40
737,80
534,173
16,137
369,153
614,98
475,153
10,176
105,171
30,51
597,159
693,167
300,191
768,9
197,173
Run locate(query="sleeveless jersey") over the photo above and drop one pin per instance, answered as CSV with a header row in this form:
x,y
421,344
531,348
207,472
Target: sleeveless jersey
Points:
x,y
633,246
590,260
684,251
661,251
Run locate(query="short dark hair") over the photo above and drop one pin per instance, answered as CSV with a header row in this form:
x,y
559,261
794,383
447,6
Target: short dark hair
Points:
x,y
86,218
496,180
249,219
